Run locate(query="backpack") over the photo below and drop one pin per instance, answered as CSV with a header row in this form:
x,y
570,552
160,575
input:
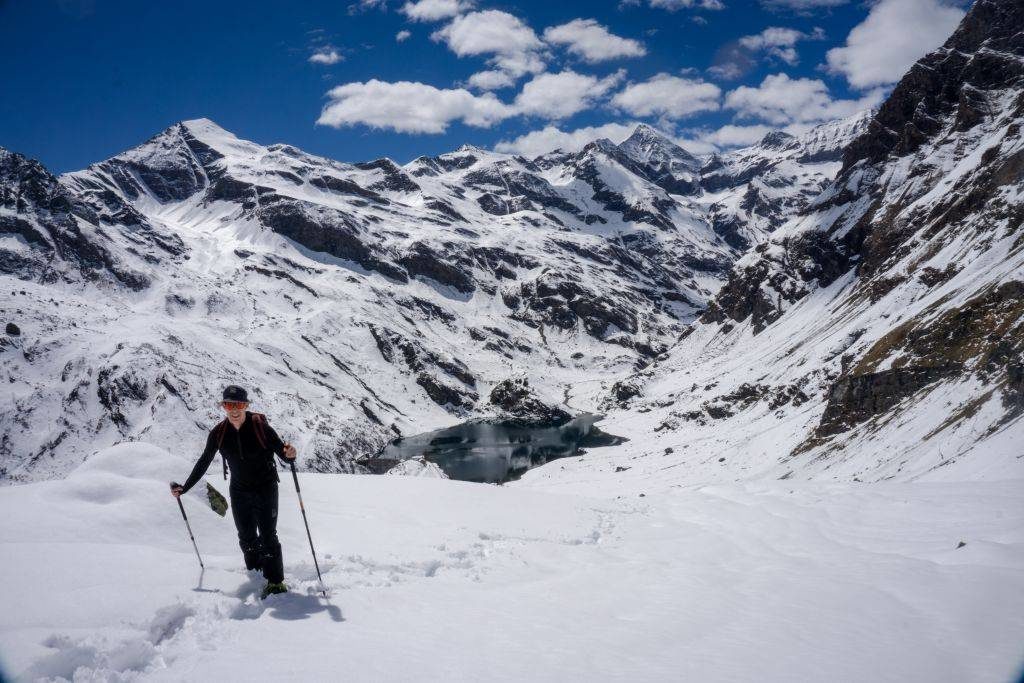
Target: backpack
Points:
x,y
259,421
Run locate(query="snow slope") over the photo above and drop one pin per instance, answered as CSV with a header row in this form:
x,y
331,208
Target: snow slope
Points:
x,y
432,579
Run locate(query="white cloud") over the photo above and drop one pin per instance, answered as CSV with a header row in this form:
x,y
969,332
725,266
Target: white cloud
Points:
x,y
668,96
434,10
516,49
557,96
488,32
895,34
409,107
402,36
491,79
366,6
675,5
592,42
775,41
726,70
736,136
550,138
783,100
325,55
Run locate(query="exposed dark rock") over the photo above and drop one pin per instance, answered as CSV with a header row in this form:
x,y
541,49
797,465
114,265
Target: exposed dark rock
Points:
x,y
445,209
342,186
228,189
856,399
624,390
12,330
429,309
445,395
395,179
425,261
933,276
48,218
116,388
417,357
282,275
555,300
522,406
323,229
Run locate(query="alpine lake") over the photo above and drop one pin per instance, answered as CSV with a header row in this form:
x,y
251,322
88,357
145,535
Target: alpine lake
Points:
x,y
496,451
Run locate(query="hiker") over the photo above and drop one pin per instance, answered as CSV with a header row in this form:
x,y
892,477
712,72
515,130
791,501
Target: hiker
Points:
x,y
247,444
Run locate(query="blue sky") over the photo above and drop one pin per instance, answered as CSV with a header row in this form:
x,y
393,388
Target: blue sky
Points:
x,y
85,79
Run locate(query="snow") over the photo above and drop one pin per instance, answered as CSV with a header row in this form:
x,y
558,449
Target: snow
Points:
x,y
432,579
417,467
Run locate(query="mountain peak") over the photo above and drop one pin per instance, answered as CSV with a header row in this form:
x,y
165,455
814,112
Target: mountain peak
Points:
x,y
645,134
649,145
776,139
204,127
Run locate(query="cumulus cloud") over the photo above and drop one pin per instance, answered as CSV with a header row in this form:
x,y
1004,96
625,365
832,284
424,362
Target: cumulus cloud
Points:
x,y
895,34
669,97
516,49
491,79
728,70
409,107
402,36
736,58
783,100
550,138
776,42
592,42
434,10
736,136
557,96
326,55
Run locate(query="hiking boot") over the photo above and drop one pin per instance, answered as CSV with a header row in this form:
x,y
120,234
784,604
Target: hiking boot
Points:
x,y
273,589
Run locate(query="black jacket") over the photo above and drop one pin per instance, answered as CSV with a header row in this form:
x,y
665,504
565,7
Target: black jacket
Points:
x,y
251,465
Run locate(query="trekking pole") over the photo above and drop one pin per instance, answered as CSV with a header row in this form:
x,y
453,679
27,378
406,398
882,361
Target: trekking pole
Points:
x,y
188,526
295,478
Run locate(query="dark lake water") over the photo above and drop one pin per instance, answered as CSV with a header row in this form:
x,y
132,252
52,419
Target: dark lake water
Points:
x,y
497,452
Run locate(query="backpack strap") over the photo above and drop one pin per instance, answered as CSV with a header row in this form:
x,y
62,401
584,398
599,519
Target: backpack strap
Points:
x,y
221,429
259,422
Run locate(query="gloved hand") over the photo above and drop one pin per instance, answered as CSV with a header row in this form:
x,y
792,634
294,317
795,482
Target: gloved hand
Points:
x,y
176,489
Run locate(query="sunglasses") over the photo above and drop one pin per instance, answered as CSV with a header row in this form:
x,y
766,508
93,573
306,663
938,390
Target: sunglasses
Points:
x,y
234,405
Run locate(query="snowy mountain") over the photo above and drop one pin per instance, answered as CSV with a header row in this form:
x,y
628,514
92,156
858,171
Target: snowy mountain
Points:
x,y
879,332
361,301
839,304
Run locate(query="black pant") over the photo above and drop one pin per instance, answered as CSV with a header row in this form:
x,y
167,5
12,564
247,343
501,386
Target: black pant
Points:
x,y
255,514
